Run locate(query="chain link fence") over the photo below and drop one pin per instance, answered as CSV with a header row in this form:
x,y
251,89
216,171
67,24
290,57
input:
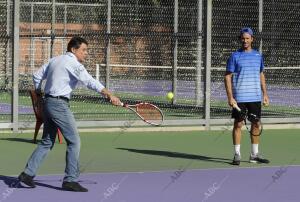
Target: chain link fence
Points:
x,y
142,49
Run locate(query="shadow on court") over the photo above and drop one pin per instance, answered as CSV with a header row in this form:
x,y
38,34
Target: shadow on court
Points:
x,y
180,155
13,182
16,139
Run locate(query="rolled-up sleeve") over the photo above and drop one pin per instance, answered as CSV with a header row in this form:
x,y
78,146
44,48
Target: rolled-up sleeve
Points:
x,y
39,76
80,73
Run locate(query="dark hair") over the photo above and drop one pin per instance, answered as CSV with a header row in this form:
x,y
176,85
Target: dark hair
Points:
x,y
76,42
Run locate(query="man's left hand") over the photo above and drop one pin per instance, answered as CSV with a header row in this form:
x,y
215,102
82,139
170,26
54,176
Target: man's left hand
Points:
x,y
266,101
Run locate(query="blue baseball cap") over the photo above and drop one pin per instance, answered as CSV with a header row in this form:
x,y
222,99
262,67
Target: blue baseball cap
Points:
x,y
246,30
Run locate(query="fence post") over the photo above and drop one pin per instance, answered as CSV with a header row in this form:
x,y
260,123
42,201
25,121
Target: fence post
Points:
x,y
8,53
32,58
260,24
15,64
175,52
208,63
199,55
53,20
97,72
107,77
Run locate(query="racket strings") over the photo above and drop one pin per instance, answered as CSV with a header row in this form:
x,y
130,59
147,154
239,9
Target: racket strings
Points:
x,y
149,113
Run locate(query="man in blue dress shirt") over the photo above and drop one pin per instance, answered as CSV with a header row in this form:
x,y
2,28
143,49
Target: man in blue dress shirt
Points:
x,y
62,73
246,87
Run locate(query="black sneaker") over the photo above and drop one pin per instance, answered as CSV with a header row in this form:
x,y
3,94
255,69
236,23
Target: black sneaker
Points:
x,y
73,186
257,159
236,160
27,179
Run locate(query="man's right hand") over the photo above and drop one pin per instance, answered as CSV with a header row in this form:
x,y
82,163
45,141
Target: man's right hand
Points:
x,y
115,100
232,102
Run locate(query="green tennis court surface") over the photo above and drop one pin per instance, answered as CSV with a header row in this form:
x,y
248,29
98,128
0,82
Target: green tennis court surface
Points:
x,y
151,151
158,166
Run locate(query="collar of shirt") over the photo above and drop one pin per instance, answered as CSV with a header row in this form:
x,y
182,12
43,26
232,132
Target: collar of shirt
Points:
x,y
71,55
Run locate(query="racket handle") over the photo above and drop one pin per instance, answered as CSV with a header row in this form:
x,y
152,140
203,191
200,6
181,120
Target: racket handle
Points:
x,y
124,104
235,106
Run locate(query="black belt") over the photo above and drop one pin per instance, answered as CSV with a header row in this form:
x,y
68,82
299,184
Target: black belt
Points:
x,y
58,97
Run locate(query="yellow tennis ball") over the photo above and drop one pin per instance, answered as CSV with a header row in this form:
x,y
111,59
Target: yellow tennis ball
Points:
x,y
170,95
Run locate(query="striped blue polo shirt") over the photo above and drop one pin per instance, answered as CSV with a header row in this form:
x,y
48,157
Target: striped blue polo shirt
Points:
x,y
246,68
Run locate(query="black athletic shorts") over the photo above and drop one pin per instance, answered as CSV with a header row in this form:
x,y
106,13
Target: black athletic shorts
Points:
x,y
251,109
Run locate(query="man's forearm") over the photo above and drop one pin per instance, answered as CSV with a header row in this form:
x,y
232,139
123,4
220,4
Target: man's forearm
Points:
x,y
113,99
106,93
228,86
263,84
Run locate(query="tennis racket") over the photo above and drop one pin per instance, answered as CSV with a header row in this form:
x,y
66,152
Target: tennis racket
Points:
x,y
149,113
250,117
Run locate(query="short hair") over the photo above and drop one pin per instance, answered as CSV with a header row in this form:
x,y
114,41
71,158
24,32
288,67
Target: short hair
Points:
x,y
76,42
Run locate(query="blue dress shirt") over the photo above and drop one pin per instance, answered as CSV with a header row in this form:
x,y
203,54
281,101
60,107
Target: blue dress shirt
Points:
x,y
62,74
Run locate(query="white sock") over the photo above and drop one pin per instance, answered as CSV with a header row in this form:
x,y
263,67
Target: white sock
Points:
x,y
254,149
237,148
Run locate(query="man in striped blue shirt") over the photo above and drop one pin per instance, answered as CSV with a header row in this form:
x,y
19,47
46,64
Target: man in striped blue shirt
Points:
x,y
246,87
62,74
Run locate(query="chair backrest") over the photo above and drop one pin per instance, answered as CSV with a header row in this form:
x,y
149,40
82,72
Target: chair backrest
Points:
x,y
37,104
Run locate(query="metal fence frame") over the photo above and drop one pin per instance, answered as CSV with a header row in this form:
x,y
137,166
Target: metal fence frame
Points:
x,y
206,121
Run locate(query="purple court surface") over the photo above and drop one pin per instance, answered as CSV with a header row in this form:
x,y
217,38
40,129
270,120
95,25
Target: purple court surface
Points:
x,y
263,184
279,95
6,109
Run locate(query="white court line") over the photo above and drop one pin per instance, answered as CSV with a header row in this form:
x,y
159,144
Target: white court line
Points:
x,y
162,171
164,128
